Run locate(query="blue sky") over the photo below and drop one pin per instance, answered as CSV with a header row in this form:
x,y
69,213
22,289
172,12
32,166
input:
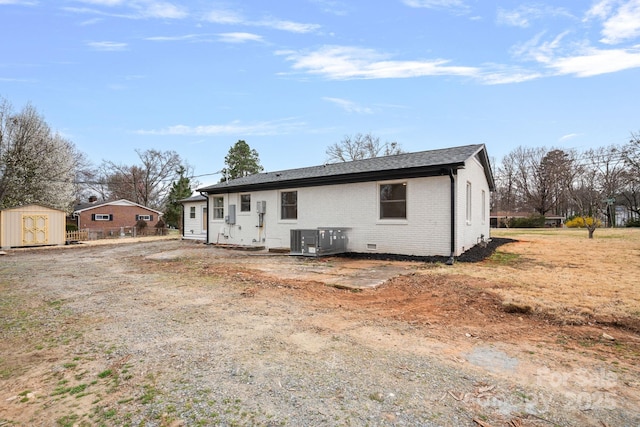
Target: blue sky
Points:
x,y
292,77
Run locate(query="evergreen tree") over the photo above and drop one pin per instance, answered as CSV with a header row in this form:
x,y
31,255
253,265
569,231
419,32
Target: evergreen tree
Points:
x,y
241,161
180,189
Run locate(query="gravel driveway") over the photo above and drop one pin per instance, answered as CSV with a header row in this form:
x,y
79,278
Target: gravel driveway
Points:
x,y
173,333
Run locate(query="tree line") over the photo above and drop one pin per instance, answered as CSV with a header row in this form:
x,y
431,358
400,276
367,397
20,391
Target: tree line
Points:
x,y
569,183
38,165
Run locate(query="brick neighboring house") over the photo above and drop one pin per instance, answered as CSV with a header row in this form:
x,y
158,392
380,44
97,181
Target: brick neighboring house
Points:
x,y
114,218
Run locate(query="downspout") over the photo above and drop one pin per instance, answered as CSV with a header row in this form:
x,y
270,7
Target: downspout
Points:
x,y
451,259
206,196
183,220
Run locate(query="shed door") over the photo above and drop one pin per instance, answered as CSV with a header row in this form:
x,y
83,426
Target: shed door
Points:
x,y
35,230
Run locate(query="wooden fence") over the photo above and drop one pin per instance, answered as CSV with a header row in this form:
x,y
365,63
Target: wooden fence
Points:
x,y
77,236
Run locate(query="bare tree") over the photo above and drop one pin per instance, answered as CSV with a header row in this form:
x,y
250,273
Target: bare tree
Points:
x,y
36,164
631,192
147,183
507,195
542,177
360,147
610,176
586,195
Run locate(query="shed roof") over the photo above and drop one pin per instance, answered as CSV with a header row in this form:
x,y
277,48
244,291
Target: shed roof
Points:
x,y
196,198
406,165
26,205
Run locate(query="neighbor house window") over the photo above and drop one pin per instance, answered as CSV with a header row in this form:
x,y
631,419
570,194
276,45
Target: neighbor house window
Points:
x,y
102,217
245,203
218,208
192,212
468,202
144,217
393,201
289,205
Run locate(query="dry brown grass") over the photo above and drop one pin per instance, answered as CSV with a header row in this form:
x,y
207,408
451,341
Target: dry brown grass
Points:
x,y
562,273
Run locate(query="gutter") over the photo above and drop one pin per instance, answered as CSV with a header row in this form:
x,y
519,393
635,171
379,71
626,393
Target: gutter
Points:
x,y
451,259
206,196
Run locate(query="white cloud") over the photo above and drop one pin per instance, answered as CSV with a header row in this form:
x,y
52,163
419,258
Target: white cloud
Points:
x,y
140,9
224,17
239,37
230,17
594,62
290,26
18,2
235,128
102,2
498,75
349,106
568,137
185,37
164,10
436,4
579,59
107,46
345,62
523,15
623,25
601,9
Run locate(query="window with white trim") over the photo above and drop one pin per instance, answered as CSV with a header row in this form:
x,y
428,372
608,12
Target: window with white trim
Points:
x,y
484,207
245,203
144,217
192,212
393,201
102,217
289,205
469,202
218,208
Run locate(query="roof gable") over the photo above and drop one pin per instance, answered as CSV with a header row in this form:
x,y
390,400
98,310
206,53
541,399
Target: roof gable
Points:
x,y
121,202
406,165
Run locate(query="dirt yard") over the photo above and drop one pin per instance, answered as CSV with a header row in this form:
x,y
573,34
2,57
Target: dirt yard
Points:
x,y
172,333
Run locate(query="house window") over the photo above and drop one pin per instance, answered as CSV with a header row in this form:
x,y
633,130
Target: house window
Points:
x,y
393,201
468,202
245,203
218,208
289,205
102,217
192,212
144,217
484,207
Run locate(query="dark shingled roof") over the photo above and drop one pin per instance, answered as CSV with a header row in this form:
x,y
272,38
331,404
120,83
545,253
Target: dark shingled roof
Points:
x,y
196,198
406,165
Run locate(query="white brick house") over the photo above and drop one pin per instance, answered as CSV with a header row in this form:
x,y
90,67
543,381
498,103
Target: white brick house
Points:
x,y
429,203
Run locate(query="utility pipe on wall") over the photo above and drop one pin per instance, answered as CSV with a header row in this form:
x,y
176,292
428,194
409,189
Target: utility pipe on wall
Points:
x,y
451,259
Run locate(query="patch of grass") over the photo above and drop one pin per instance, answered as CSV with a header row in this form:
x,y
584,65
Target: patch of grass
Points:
x,y
504,258
67,420
61,389
105,373
149,395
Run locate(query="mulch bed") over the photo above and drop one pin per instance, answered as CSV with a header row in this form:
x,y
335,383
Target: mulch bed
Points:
x,y
475,254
